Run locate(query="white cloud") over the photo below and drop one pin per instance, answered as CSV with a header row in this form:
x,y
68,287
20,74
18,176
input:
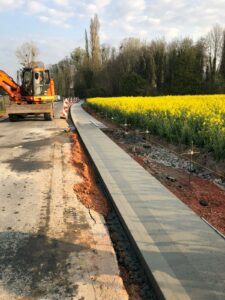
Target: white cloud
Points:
x,y
101,4
35,7
172,32
10,4
127,27
153,21
104,37
165,18
89,8
48,14
44,19
62,2
57,12
92,9
52,50
128,16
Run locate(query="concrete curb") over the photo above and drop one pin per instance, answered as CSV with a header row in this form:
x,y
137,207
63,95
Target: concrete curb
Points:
x,y
183,256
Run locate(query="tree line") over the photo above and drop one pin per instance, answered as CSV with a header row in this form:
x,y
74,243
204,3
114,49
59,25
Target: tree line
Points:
x,y
137,67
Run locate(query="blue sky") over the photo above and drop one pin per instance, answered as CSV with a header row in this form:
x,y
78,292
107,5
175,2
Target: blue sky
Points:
x,y
57,26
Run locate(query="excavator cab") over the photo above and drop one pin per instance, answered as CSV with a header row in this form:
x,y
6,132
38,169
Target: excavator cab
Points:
x,y
35,82
27,85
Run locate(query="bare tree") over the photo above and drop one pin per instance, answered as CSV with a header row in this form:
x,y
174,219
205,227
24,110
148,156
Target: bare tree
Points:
x,y
222,64
130,49
214,42
131,44
158,49
105,53
27,54
95,42
86,45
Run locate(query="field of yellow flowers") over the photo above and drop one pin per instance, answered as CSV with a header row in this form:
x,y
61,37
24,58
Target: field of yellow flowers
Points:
x,y
180,119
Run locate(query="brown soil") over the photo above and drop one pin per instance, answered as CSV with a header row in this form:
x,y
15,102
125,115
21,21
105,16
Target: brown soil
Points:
x,y
92,197
133,289
192,193
87,191
203,196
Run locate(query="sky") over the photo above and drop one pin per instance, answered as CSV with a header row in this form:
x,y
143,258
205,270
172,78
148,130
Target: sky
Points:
x,y
57,26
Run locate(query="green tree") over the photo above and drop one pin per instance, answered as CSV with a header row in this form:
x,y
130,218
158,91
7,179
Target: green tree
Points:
x,y
133,85
184,67
77,57
61,73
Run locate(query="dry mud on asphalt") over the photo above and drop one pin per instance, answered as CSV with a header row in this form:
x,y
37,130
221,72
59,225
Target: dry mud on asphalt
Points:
x,y
50,247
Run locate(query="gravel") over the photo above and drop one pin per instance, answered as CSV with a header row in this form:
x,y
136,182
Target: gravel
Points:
x,y
162,155
128,259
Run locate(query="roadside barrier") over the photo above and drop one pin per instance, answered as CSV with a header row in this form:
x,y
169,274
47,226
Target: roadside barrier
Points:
x,y
77,100
66,104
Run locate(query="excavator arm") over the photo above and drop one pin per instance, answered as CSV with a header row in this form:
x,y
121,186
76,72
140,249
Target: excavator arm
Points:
x,y
10,86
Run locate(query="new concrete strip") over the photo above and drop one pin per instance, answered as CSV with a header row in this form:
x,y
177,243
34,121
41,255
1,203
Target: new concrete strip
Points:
x,y
186,258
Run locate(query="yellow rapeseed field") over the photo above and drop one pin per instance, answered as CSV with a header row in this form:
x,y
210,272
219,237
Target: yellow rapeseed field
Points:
x,y
198,118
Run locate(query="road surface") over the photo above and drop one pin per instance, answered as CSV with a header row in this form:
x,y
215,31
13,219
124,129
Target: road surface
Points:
x,y
50,248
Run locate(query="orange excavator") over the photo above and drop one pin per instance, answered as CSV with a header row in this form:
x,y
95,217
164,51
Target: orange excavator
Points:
x,y
34,96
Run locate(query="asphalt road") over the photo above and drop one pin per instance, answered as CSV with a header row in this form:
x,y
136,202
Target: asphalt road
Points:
x,y
47,246
27,153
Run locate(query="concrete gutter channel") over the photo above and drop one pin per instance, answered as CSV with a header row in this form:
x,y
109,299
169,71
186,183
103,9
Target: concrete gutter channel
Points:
x,y
182,256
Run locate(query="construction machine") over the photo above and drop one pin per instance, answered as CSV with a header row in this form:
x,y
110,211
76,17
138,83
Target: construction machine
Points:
x,y
34,96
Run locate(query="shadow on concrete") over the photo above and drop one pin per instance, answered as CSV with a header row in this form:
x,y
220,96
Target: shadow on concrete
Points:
x,y
36,266
26,162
